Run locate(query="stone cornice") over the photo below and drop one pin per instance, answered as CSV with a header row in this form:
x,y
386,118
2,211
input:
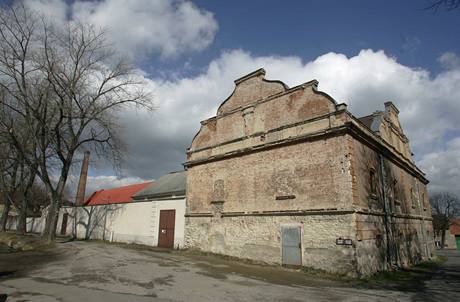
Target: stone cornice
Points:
x,y
311,212
258,134
353,127
256,73
269,145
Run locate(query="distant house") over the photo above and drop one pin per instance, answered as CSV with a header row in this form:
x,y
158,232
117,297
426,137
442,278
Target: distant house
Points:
x,y
452,236
150,213
167,198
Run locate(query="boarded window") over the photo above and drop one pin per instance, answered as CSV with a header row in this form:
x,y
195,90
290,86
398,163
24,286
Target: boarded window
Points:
x,y
412,197
395,191
373,182
219,191
284,185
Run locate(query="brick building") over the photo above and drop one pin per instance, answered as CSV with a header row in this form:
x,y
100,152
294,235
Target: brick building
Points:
x,y
287,175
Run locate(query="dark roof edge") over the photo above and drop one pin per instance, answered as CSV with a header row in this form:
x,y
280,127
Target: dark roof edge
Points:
x,y
258,72
163,195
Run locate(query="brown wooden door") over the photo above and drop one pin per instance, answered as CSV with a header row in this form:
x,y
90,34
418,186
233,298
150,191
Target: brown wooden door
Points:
x,y
64,223
166,231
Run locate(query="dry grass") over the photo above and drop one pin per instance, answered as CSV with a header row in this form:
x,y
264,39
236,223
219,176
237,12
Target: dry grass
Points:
x,y
13,242
405,278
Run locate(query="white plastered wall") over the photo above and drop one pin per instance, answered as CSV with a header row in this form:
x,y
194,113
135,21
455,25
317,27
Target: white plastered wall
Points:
x,y
135,222
36,224
131,223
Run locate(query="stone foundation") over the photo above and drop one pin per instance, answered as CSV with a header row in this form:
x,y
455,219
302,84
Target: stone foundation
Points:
x,y
259,238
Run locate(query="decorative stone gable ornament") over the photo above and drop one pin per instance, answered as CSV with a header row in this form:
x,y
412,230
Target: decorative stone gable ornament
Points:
x,y
219,192
218,198
284,185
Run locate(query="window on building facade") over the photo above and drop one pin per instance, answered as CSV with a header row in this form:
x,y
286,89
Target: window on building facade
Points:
x,y
395,192
373,182
412,197
396,197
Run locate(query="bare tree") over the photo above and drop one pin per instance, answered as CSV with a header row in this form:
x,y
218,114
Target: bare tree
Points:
x,y
16,180
445,207
8,172
67,84
17,80
94,219
26,179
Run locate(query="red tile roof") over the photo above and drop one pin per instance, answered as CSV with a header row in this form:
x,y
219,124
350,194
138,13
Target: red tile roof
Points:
x,y
455,227
115,195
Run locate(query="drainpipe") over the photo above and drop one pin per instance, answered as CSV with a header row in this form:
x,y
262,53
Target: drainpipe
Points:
x,y
386,208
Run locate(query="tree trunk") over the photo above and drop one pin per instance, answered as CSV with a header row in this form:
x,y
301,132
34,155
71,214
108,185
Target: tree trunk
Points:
x,y
443,238
22,222
49,233
5,212
75,223
88,226
25,193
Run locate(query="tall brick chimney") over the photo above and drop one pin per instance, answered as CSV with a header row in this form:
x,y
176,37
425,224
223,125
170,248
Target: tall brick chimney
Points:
x,y
80,198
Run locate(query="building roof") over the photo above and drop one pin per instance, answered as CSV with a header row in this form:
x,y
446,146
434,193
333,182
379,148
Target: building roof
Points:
x,y
116,195
169,185
372,121
455,227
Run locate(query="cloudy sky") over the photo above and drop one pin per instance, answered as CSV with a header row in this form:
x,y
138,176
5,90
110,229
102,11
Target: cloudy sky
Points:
x,y
362,52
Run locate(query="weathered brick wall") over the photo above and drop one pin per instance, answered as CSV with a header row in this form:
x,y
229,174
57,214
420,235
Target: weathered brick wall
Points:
x,y
249,89
311,175
274,156
410,213
407,194
237,205
391,131
240,117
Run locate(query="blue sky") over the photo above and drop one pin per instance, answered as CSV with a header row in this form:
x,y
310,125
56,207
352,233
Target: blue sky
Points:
x,y
362,52
403,29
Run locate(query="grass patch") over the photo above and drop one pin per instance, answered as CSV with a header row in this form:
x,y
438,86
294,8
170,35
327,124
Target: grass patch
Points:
x,y
322,274
405,278
200,253
17,242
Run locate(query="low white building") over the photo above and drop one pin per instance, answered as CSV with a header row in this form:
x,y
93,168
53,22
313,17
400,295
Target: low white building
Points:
x,y
148,213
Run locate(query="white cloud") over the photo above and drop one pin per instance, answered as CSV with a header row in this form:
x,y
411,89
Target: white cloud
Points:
x,y
443,167
141,27
449,60
429,104
55,9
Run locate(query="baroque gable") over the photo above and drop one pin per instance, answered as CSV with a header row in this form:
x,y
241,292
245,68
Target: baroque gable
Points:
x,y
257,107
